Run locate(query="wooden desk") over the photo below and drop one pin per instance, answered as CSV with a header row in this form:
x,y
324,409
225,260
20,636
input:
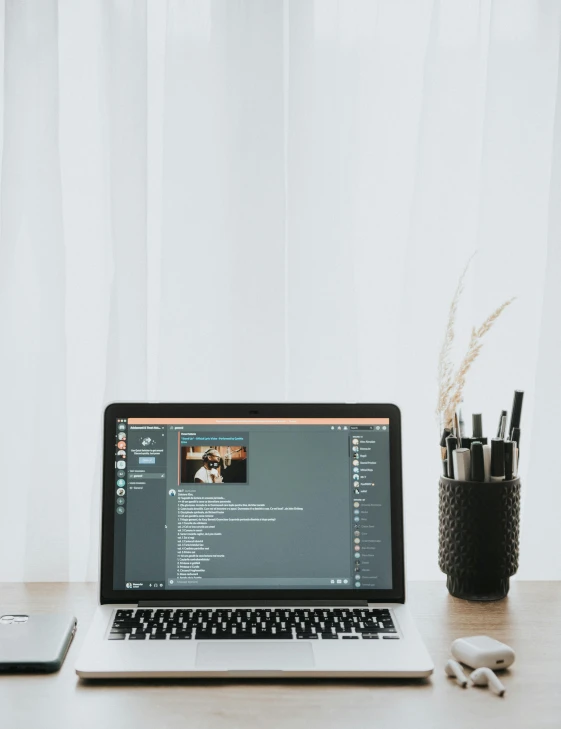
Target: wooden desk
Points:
x,y
529,620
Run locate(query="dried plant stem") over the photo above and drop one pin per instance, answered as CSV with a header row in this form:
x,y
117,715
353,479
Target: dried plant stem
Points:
x,y
445,368
455,389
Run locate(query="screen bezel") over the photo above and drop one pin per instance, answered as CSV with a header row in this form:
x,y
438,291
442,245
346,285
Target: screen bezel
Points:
x,y
231,410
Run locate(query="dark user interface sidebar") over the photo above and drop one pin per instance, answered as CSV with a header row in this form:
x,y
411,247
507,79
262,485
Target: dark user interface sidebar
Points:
x,y
363,484
120,503
145,472
121,466
136,468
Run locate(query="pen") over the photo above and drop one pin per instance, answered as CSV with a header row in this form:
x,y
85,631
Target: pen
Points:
x,y
451,445
445,433
503,427
445,467
487,462
515,436
477,429
510,447
497,459
461,464
503,414
477,468
461,423
516,411
456,426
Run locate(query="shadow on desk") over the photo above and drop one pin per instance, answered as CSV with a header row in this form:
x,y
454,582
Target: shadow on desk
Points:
x,y
87,683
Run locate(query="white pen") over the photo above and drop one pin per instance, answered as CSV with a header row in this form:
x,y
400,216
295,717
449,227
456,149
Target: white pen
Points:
x,y
461,464
487,462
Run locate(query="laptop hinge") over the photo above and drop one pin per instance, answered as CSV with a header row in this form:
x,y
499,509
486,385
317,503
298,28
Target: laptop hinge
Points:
x,y
250,603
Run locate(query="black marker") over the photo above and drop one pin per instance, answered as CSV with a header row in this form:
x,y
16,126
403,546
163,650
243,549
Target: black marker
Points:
x,y
516,411
445,433
445,467
477,429
503,427
477,472
510,445
503,415
451,445
497,459
461,424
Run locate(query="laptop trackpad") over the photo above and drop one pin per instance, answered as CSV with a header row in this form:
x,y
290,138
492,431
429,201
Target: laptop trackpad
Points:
x,y
264,656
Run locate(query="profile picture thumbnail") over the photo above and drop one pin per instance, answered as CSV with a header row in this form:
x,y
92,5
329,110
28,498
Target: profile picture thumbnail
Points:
x,y
213,464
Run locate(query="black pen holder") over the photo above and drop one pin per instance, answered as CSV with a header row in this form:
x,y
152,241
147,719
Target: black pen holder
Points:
x,y
479,530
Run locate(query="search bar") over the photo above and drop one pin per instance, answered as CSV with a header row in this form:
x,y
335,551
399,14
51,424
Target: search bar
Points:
x,y
147,476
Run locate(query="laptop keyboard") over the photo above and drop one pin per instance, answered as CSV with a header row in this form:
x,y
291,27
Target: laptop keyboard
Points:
x,y
264,624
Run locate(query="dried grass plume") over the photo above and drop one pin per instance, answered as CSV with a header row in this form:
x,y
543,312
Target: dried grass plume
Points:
x,y
451,383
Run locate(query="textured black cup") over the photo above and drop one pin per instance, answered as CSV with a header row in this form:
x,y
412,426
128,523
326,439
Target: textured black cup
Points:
x,y
479,530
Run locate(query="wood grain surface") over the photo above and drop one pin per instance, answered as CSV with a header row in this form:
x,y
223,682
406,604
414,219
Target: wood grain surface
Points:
x,y
529,620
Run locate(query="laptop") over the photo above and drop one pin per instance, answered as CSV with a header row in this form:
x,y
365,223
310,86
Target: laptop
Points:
x,y
252,541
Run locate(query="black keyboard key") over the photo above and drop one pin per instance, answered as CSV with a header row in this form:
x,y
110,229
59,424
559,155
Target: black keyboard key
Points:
x,y
369,636
180,636
307,636
158,636
368,629
137,636
350,637
390,637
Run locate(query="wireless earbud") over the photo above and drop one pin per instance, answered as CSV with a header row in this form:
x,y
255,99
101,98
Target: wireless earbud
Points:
x,y
453,668
486,677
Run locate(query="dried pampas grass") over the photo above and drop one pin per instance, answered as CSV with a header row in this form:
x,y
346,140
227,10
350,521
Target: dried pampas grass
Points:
x,y
445,367
451,383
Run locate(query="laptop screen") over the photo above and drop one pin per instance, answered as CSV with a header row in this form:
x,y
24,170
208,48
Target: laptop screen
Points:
x,y
256,503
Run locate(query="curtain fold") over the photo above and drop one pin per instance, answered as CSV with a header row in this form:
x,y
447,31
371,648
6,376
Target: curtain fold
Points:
x,y
207,200
222,280
34,515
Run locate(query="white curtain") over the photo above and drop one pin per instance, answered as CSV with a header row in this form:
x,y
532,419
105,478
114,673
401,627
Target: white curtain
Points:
x,y
306,177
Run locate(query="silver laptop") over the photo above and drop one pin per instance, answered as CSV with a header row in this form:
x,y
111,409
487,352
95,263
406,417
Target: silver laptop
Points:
x,y
252,540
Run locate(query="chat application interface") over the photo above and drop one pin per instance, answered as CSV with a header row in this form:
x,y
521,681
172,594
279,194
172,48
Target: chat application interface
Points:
x,y
285,503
